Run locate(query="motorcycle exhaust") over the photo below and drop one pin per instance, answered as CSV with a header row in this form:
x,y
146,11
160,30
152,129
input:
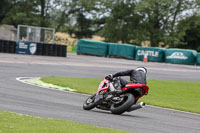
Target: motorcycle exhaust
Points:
x,y
136,106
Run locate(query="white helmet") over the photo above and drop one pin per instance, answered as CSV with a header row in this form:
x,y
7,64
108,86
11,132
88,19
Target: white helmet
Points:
x,y
141,68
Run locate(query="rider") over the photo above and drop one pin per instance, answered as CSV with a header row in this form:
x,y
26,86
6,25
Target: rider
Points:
x,y
137,76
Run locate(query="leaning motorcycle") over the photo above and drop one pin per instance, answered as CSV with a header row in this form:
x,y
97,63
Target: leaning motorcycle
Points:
x,y
118,102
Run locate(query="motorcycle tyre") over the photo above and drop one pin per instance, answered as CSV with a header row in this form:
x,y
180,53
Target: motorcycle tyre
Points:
x,y
89,106
125,106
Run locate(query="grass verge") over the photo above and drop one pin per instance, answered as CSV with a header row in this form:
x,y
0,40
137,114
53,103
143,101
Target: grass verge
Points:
x,y
17,123
181,95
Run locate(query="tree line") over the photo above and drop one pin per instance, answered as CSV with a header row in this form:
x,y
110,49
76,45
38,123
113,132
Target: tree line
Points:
x,y
163,23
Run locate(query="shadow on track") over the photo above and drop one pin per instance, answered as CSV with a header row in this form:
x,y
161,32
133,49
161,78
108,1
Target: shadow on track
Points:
x,y
122,115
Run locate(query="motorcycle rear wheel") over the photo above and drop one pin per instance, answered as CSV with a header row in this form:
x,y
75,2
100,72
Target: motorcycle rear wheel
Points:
x,y
128,101
89,103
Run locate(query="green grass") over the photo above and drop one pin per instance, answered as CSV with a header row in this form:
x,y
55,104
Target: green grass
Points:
x,y
181,95
82,85
16,123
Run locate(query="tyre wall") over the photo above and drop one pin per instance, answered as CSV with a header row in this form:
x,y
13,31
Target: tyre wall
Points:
x,y
180,56
154,54
51,50
121,50
7,46
91,47
46,49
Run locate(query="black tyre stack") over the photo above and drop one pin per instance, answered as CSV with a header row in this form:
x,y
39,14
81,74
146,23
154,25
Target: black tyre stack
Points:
x,y
7,46
12,46
51,50
39,50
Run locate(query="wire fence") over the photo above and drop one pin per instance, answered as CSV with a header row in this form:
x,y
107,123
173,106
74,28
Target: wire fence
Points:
x,y
35,34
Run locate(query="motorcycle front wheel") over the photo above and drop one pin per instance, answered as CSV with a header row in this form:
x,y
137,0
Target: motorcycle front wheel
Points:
x,y
89,103
127,102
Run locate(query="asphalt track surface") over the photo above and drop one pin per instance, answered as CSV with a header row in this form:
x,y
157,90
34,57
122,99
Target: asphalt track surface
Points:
x,y
32,100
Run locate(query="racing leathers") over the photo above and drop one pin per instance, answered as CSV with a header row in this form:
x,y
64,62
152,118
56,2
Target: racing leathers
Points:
x,y
135,77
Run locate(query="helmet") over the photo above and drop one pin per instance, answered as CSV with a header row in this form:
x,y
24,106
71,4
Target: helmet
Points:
x,y
141,68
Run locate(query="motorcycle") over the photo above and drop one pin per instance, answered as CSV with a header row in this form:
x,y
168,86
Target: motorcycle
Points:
x,y
108,98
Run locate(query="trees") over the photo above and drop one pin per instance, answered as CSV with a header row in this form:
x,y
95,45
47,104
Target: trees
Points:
x,y
136,21
84,20
190,29
161,22
43,9
123,23
161,18
5,6
35,12
22,12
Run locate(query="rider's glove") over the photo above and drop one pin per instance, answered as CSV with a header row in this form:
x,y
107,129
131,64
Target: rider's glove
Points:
x,y
109,77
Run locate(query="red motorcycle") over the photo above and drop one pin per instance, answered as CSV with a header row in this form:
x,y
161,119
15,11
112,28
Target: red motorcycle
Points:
x,y
118,102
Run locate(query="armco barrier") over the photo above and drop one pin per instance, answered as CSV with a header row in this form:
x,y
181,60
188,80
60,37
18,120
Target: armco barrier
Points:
x,y
121,50
154,54
180,56
198,59
91,47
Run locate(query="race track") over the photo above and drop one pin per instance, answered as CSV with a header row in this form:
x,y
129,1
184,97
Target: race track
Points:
x,y
26,99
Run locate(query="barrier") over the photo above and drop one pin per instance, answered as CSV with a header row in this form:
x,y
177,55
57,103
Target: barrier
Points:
x,y
7,46
180,56
154,54
1,46
74,48
91,47
71,48
51,50
26,48
121,50
198,59
12,46
33,48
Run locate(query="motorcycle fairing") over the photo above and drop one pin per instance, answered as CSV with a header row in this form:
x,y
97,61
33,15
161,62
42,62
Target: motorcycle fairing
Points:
x,y
141,88
103,86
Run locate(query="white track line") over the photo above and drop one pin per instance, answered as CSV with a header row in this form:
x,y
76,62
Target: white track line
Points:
x,y
21,80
